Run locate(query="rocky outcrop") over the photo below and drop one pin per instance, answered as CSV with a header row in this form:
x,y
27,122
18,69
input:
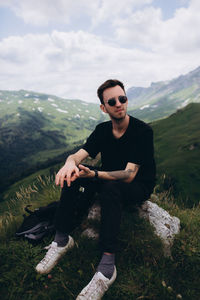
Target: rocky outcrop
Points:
x,y
165,226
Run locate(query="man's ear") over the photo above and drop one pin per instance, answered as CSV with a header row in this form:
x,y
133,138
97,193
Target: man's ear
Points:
x,y
103,108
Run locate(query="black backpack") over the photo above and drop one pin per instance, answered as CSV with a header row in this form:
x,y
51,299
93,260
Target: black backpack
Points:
x,y
37,223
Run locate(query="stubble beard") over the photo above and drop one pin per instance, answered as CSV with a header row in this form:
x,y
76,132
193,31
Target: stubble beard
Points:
x,y
118,119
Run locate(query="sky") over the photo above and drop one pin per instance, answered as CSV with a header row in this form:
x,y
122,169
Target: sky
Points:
x,y
68,48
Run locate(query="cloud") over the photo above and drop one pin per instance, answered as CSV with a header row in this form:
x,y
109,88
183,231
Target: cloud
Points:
x,y
41,13
69,64
74,64
147,29
142,47
65,64
109,10
141,29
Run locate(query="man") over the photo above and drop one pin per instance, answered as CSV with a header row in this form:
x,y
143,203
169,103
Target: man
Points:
x,y
127,175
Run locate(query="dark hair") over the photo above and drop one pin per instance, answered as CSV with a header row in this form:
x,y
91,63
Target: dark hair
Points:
x,y
108,84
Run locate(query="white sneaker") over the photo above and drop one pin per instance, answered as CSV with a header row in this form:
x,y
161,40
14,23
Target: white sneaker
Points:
x,y
52,256
97,287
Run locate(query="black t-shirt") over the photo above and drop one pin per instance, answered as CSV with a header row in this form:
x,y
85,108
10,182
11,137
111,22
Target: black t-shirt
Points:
x,y
135,146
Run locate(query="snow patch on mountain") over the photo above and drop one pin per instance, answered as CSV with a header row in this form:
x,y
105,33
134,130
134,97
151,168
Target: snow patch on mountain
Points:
x,y
61,110
51,100
145,106
92,118
184,103
40,109
53,104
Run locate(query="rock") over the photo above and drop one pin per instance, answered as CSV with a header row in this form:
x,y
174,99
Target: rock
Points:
x,y
165,226
95,212
90,233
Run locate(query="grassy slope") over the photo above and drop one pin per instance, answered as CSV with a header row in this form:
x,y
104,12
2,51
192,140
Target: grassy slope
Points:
x,y
143,272
177,149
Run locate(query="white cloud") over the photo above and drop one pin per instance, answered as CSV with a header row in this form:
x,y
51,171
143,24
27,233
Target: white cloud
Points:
x,y
141,29
109,10
142,48
74,64
146,28
43,12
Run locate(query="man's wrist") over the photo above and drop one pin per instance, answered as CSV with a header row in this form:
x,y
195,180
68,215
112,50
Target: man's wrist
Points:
x,y
96,175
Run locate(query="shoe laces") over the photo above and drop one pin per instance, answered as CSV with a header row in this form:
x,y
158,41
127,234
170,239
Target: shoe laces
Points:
x,y
52,251
96,286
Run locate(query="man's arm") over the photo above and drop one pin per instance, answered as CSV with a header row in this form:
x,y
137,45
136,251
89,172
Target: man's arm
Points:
x,y
126,175
70,171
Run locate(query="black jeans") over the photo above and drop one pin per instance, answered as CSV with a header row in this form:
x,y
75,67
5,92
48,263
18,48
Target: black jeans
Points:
x,y
113,195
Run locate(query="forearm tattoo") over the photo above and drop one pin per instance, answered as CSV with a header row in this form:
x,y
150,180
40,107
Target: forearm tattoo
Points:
x,y
123,174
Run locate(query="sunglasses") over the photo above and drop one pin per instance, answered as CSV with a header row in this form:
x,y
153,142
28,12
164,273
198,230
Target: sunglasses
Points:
x,y
112,101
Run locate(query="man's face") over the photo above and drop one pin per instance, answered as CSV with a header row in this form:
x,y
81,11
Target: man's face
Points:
x,y
118,111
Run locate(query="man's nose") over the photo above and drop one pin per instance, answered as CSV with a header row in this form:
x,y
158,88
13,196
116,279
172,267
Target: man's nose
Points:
x,y
118,103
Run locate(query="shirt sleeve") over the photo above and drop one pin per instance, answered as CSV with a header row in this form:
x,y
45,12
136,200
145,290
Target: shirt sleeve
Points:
x,y
92,145
142,151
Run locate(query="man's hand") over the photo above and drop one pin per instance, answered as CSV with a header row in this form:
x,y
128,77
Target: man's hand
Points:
x,y
68,172
85,172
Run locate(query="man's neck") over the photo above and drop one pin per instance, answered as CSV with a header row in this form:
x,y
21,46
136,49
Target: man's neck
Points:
x,y
120,125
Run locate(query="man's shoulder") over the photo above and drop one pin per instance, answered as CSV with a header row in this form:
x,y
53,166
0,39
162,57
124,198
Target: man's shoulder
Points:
x,y
104,125
140,125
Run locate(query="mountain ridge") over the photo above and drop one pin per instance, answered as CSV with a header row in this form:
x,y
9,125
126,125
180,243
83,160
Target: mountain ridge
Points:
x,y
162,98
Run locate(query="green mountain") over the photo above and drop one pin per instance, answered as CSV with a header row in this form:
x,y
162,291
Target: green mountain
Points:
x,y
37,130
177,154
163,98
177,151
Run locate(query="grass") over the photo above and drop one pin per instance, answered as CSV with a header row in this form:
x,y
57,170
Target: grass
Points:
x,y
143,271
177,149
